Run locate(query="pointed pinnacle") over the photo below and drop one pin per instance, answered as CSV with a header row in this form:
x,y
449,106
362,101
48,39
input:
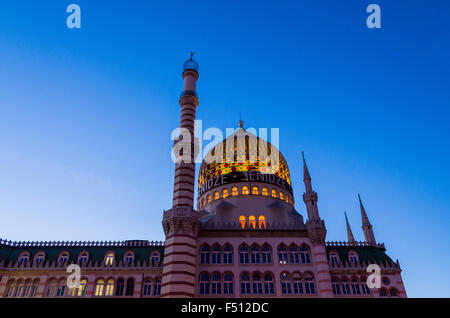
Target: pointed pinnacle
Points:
x,y
365,219
306,175
350,237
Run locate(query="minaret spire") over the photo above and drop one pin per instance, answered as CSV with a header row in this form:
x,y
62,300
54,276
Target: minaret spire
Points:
x,y
366,226
350,237
310,196
306,175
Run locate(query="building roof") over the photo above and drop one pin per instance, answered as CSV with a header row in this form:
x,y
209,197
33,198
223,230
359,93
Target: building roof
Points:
x,y
366,253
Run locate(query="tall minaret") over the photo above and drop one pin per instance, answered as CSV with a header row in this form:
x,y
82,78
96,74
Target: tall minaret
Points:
x,y
182,223
350,237
366,226
316,233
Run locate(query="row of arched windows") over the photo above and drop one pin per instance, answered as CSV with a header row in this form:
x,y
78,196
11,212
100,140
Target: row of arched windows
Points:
x,y
83,258
256,283
255,254
352,286
102,287
245,190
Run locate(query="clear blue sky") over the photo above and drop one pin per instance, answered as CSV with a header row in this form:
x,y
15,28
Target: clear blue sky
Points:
x,y
86,115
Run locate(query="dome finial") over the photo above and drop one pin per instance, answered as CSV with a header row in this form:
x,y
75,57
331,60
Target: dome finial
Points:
x,y
190,64
240,122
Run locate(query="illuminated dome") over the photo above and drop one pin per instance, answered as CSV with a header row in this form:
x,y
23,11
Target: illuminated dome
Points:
x,y
250,159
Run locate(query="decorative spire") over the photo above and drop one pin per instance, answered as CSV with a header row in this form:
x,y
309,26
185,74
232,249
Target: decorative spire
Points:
x,y
366,226
190,64
240,122
350,237
306,175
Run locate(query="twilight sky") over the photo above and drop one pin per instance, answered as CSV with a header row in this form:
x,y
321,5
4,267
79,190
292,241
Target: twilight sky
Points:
x,y
86,115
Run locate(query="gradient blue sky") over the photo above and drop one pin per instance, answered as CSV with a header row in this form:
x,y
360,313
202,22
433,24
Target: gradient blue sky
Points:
x,y
86,115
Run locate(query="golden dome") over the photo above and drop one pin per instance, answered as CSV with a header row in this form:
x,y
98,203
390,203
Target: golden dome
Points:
x,y
243,157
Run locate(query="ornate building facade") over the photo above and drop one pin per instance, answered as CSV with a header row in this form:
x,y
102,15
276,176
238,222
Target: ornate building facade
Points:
x,y
244,238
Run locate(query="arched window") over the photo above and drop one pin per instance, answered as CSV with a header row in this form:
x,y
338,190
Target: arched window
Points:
x,y
10,286
335,286
262,221
215,256
293,254
305,254
265,191
255,190
216,195
393,292
252,221
274,193
355,287
120,287
281,195
309,283
51,286
225,193
383,292
257,284
129,258
110,287
208,198
156,259
34,288
228,254
298,284
243,255
204,255
242,221
147,290
286,284
23,258
130,287
39,258
19,288
345,286
203,202
83,258
334,258
268,284
216,286
364,287
234,191
266,254
245,190
99,287
228,284
245,284
109,259
353,258
256,259
287,198
157,287
282,254
204,284
63,258
82,289
27,287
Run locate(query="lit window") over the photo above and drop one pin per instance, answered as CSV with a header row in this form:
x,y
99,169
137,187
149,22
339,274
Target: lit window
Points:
x,y
245,190
242,221
255,190
252,221
82,289
262,221
274,193
234,191
99,287
109,258
265,191
287,198
110,287
281,195
208,198
224,193
203,202
216,195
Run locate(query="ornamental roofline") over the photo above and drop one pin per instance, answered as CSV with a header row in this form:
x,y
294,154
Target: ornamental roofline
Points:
x,y
352,244
126,243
